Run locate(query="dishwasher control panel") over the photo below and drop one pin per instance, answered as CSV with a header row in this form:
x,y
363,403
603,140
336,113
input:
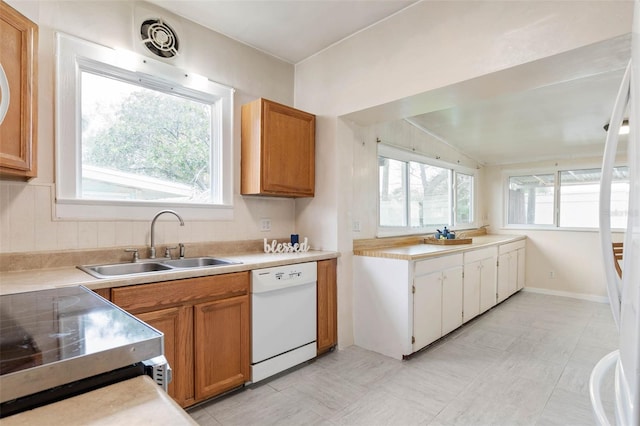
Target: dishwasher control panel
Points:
x,y
288,276
283,276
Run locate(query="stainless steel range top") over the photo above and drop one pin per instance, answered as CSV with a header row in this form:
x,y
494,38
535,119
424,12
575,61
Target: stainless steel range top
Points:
x,y
50,338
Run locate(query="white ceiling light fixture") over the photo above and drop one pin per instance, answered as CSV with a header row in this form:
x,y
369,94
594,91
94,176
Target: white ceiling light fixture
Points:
x,y
624,127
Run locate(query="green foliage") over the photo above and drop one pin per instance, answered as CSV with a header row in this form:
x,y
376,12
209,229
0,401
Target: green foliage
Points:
x,y
156,135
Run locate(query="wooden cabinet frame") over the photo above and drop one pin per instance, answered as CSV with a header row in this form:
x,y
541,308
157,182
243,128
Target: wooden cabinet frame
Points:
x,y
18,131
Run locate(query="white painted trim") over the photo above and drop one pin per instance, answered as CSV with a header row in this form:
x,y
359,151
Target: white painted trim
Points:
x,y
581,296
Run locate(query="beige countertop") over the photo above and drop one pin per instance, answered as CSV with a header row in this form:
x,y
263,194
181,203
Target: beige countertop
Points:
x,y
39,279
137,401
426,251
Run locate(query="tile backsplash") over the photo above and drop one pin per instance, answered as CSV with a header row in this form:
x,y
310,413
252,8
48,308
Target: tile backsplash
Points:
x,y
10,262
27,224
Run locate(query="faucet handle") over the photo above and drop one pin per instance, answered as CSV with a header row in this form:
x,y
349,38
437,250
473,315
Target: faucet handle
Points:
x,y
182,251
136,256
167,251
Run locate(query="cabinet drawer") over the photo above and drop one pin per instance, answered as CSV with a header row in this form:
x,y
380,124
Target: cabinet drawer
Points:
x,y
145,297
505,248
475,255
432,265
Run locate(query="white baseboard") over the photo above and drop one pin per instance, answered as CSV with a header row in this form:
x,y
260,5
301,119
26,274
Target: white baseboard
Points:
x,y
582,296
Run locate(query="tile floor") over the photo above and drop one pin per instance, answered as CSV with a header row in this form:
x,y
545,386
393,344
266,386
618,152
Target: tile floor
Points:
x,y
525,362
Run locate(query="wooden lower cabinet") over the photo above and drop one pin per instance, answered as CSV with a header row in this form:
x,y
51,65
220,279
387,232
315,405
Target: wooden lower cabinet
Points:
x,y
206,326
327,305
104,292
178,344
222,346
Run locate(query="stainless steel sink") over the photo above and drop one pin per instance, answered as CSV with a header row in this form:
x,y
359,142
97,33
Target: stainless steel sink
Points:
x,y
157,265
198,262
119,269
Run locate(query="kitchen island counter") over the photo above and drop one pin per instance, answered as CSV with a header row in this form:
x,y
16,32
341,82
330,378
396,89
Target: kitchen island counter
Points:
x,y
137,401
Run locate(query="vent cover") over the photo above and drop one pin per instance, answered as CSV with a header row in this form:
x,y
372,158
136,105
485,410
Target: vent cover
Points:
x,y
159,38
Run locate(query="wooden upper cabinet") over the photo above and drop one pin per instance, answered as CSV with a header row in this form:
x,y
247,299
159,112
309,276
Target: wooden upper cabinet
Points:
x,y
18,94
278,150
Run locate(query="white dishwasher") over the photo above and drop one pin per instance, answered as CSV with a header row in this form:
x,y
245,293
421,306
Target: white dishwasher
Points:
x,y
283,318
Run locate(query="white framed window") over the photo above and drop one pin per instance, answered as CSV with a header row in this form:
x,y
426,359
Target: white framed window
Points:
x,y
567,199
531,199
417,194
135,134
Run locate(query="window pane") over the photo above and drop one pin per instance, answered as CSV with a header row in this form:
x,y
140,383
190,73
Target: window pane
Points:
x,y
580,195
392,192
143,144
430,195
464,199
531,199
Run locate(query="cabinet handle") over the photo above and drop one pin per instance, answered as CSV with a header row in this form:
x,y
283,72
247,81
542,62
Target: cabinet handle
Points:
x,y
4,94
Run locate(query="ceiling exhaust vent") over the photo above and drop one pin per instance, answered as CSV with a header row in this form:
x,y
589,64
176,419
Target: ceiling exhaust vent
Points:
x,y
159,38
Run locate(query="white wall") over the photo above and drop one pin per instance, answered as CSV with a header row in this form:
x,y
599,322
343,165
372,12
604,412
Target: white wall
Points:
x,y
425,47
433,44
26,218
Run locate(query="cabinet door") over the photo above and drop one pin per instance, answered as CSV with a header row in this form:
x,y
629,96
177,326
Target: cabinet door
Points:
x,y
507,274
471,293
327,305
18,77
503,277
427,309
175,323
278,150
488,284
221,345
288,161
521,269
513,272
451,299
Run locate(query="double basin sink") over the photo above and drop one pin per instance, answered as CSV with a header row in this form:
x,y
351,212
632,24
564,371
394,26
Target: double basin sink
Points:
x,y
114,270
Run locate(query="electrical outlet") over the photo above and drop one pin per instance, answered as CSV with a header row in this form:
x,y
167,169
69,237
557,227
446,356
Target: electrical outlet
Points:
x,y
356,226
265,225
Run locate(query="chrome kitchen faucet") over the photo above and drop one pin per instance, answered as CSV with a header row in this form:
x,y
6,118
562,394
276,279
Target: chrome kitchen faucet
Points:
x,y
153,224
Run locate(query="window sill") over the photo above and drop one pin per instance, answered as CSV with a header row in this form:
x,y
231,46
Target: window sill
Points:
x,y
554,228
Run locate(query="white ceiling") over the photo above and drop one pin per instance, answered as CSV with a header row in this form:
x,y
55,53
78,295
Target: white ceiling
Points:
x,y
558,121
550,109
291,30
